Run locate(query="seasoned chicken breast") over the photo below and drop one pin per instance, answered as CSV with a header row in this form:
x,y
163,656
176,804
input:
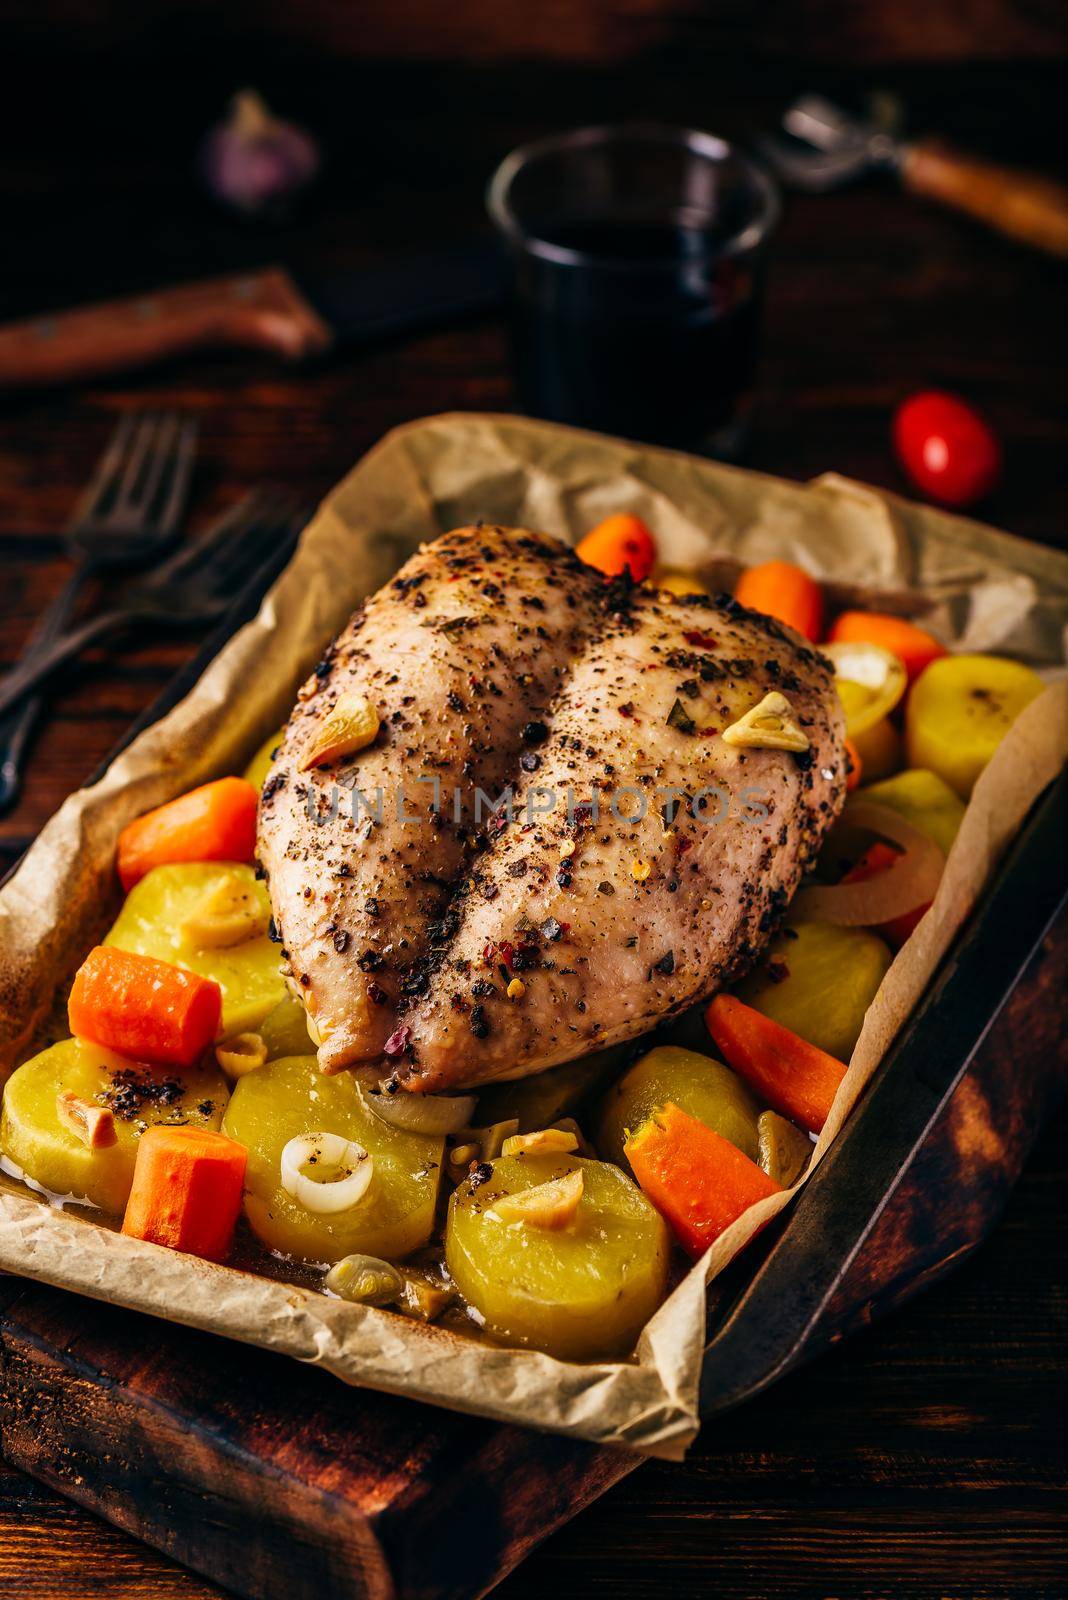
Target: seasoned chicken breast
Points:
x,y
464,648
586,925
638,862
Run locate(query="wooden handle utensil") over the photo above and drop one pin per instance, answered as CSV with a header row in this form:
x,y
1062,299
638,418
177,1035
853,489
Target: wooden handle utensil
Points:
x,y
258,311
1023,205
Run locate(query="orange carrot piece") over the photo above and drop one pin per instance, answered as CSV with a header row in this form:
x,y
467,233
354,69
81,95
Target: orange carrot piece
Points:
x,y
143,1008
618,542
914,648
878,858
216,822
698,1180
785,592
855,767
186,1192
790,1075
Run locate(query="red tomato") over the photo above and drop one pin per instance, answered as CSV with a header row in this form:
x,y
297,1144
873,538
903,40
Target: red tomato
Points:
x,y
947,448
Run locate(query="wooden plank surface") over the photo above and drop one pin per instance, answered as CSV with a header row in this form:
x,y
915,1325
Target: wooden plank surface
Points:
x,y
924,1458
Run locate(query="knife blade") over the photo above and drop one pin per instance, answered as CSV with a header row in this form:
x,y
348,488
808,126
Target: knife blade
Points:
x,y
271,310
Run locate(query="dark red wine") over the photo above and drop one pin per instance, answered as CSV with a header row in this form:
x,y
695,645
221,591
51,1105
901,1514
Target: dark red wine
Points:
x,y
650,333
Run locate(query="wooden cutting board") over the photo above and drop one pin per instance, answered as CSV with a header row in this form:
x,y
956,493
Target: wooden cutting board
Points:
x,y
277,1481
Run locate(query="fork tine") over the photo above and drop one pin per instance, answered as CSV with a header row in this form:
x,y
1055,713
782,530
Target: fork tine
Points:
x,y
183,457
108,470
249,549
129,491
192,556
156,461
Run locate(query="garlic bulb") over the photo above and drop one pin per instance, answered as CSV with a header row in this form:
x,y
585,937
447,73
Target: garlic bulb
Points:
x,y
255,162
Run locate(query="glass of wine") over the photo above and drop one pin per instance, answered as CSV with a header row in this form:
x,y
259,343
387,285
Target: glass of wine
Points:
x,y
637,253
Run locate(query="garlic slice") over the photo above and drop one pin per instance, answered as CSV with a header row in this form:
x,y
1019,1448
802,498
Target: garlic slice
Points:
x,y
350,726
546,1142
327,1196
769,725
243,1053
549,1205
365,1280
230,912
94,1125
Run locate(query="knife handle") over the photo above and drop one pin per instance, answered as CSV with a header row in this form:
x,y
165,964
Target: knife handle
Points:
x,y
1024,205
255,311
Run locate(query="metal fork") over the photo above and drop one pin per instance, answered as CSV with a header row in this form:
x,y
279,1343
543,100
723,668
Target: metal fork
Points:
x,y
127,516
193,587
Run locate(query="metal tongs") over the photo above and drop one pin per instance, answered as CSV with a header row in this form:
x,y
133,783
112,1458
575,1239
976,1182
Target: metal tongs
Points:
x,y
823,147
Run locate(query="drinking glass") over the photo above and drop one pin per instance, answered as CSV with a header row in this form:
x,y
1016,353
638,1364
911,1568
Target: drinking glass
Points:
x,y
637,253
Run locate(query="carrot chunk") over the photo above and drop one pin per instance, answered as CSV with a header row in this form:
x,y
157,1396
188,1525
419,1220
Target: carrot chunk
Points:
x,y
855,766
186,1192
143,1008
789,1074
879,858
216,822
696,1179
619,542
785,592
914,648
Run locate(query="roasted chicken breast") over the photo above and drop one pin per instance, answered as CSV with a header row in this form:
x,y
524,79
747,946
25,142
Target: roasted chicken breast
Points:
x,y
467,645
640,860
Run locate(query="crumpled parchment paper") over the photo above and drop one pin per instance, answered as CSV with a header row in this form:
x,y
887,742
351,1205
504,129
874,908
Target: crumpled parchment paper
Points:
x,y
977,588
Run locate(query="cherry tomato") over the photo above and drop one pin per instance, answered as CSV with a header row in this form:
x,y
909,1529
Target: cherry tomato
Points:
x,y
948,450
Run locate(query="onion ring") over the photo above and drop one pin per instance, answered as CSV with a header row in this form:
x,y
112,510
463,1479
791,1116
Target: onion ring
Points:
x,y
910,882
431,1114
337,1194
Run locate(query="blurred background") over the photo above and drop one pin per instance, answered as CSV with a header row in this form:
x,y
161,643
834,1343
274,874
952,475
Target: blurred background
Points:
x,y
871,293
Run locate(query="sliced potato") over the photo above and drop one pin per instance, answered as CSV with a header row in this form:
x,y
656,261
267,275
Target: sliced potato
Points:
x,y
880,750
676,581
290,1097
818,980
582,1291
154,922
784,1149
925,800
285,1030
697,1083
870,682
34,1136
960,709
541,1100
258,768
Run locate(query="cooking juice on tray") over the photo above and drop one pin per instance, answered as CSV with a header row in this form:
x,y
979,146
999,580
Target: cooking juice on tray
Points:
x,y
637,328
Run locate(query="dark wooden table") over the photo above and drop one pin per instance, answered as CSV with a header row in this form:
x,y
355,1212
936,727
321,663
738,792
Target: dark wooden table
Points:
x,y
926,1456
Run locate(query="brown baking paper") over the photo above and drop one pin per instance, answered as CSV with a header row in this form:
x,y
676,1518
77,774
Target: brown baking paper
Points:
x,y
979,589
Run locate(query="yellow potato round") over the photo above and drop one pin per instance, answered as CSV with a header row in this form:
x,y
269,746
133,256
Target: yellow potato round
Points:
x,y
289,1097
258,768
925,800
151,924
880,751
285,1030
960,709
870,682
34,1138
542,1099
581,1292
699,1085
677,581
831,975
